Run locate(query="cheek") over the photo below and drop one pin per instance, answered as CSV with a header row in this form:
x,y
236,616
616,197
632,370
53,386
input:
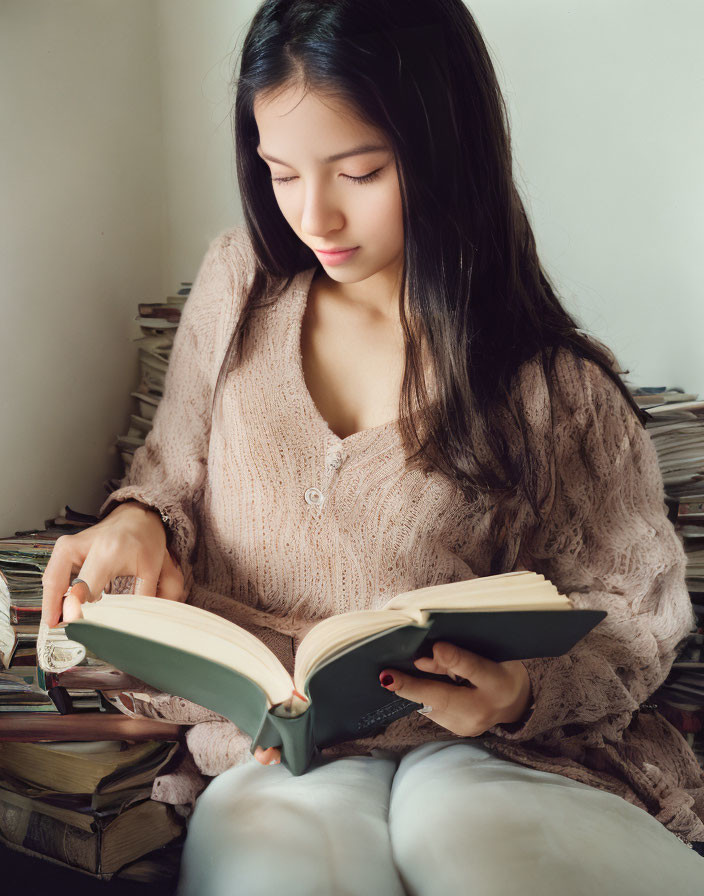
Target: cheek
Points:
x,y
383,209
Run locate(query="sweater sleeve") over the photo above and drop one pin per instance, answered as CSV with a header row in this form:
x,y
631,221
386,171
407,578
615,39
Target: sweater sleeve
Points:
x,y
168,471
606,543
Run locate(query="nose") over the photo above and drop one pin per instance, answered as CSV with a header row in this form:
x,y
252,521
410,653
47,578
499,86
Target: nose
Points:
x,y
321,212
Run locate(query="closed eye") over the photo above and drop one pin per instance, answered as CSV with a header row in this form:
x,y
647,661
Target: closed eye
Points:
x,y
365,179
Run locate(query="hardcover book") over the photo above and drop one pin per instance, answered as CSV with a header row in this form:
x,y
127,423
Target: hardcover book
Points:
x,y
334,694
94,841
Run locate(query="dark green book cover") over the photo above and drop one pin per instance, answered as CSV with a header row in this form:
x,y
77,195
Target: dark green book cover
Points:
x,y
346,701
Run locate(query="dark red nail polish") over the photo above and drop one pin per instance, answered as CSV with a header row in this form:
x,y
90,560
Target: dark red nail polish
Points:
x,y
386,679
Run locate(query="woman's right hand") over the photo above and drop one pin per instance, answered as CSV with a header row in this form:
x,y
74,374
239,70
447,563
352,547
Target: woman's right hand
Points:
x,y
130,541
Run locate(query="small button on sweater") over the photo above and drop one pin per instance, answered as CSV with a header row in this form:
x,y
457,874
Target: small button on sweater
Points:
x,y
277,523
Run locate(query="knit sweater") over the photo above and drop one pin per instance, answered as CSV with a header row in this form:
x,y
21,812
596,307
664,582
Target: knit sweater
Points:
x,y
277,522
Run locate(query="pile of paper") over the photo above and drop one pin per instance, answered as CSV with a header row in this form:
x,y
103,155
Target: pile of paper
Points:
x,y
158,322
676,427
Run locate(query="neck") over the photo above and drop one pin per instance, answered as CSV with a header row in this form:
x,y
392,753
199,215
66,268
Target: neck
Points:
x,y
375,297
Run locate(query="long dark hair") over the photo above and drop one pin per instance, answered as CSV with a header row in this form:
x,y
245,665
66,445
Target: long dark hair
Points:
x,y
419,71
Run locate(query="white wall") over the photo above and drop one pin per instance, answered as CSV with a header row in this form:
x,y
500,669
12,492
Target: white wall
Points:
x,y
196,44
80,242
606,100
117,170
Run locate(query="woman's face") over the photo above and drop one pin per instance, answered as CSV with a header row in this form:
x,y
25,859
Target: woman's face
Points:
x,y
319,197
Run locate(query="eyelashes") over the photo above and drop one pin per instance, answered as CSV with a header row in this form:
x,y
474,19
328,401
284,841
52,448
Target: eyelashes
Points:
x,y
365,179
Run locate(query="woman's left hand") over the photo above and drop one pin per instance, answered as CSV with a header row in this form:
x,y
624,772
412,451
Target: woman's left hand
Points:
x,y
493,693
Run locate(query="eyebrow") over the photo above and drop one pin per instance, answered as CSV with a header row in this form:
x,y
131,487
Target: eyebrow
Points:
x,y
357,151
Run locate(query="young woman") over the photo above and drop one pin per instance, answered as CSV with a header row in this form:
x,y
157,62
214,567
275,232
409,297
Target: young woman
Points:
x,y
374,388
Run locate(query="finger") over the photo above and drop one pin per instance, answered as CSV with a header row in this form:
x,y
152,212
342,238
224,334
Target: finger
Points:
x,y
93,578
72,603
98,571
170,585
437,694
146,578
430,664
270,756
57,576
458,662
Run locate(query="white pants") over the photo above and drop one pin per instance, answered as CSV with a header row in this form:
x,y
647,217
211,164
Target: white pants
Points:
x,y
447,818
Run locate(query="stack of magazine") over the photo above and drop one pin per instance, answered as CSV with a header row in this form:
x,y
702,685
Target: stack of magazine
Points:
x,y
23,559
676,427
158,322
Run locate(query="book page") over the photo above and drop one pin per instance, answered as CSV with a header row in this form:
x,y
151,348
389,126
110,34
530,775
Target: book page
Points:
x,y
337,632
506,591
196,631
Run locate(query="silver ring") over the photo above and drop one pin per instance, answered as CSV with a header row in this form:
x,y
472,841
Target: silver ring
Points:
x,y
425,709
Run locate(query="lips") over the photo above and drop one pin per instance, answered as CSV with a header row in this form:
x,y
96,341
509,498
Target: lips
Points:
x,y
330,251
337,257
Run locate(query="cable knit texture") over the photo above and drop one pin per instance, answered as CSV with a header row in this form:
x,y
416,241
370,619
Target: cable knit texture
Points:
x,y
255,550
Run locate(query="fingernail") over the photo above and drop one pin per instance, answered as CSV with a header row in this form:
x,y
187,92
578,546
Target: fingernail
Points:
x,y
386,679
66,593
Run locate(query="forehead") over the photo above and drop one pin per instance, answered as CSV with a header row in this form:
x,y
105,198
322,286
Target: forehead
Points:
x,y
310,117
285,99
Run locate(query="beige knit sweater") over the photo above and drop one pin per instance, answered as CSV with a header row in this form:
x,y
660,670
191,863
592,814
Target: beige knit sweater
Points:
x,y
277,523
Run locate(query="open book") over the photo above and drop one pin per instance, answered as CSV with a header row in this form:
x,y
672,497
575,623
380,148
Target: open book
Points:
x,y
334,694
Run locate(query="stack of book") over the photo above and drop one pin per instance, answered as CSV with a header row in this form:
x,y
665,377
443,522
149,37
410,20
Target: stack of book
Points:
x,y
75,773
76,789
158,322
676,427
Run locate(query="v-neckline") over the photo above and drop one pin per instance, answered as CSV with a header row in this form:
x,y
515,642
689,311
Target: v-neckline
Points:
x,y
302,292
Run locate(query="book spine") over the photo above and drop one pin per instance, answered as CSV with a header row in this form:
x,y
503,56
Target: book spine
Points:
x,y
294,737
